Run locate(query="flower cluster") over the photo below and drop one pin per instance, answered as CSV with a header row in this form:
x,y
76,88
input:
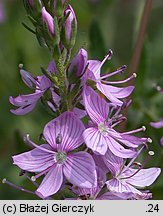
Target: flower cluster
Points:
x,y
83,151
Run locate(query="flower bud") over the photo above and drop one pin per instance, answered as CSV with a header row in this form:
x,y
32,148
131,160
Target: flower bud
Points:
x,y
70,27
79,63
48,20
27,78
68,23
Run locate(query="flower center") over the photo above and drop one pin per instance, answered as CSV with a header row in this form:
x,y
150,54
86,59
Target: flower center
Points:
x,y
61,157
103,129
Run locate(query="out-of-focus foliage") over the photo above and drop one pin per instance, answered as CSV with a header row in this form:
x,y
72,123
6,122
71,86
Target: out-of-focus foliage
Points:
x,y
103,24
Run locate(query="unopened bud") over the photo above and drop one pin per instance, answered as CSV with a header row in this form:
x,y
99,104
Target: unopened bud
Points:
x,y
78,64
48,20
70,27
27,78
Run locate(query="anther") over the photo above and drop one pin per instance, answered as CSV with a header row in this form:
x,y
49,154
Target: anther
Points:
x,y
158,88
4,181
110,53
33,178
151,153
143,128
21,66
138,164
149,140
134,75
123,68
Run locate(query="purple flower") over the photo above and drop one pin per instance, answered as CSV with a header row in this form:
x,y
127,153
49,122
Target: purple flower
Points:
x,y
101,135
40,84
55,160
96,193
79,63
48,20
114,94
68,25
127,179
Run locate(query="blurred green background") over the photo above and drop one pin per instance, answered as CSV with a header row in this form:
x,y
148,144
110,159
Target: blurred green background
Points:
x,y
102,24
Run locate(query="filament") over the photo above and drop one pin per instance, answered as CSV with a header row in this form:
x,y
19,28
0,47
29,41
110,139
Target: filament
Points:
x,y
120,82
5,181
119,70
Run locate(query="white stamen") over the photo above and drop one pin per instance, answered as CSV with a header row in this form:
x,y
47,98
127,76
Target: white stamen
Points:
x,y
158,88
143,128
149,140
103,129
134,75
4,181
21,66
151,153
33,178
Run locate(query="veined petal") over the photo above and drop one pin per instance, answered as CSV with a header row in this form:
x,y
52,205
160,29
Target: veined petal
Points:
x,y
95,140
43,83
96,107
84,191
69,127
23,110
79,113
118,149
145,177
79,62
105,90
94,66
117,186
56,98
115,196
52,67
113,162
24,100
131,141
99,161
79,169
120,92
51,182
35,160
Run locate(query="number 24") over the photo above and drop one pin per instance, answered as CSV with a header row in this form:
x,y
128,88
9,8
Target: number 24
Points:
x,y
153,208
